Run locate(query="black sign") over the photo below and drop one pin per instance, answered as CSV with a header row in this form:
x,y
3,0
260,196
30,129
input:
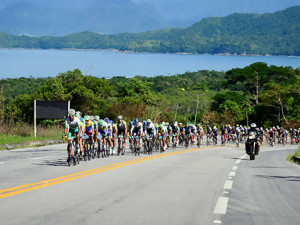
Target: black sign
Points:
x,y
51,110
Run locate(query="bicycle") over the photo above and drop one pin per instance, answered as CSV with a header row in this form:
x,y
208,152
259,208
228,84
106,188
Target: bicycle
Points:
x,y
174,141
73,150
121,145
223,140
86,148
136,145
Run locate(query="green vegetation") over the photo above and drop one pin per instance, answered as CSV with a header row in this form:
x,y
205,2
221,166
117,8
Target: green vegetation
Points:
x,y
274,34
267,95
292,158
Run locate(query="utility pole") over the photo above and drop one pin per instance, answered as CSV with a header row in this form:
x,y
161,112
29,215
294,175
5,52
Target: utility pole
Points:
x,y
257,86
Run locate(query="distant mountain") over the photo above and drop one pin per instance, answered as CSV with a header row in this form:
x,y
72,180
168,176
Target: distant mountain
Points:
x,y
64,17
271,33
186,12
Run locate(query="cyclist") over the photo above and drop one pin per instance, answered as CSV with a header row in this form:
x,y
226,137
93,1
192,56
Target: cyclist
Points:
x,y
72,127
150,130
89,127
103,130
114,135
215,134
122,128
82,125
137,129
175,131
162,131
187,132
109,135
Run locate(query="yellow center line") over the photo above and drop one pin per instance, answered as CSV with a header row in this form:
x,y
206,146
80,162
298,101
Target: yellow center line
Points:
x,y
4,193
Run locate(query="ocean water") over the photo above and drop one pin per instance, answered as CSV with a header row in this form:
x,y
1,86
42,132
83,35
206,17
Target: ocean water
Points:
x,y
16,63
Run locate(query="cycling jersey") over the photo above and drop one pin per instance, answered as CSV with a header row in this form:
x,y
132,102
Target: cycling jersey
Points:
x,y
102,129
72,125
150,129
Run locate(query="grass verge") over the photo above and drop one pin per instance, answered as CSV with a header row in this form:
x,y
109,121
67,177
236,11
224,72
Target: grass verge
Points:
x,y
292,158
22,135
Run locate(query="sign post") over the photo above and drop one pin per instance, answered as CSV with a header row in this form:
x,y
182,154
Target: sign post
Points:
x,y
34,107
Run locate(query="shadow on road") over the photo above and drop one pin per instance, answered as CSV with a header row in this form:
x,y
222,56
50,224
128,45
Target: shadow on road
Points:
x,y
59,162
239,158
287,178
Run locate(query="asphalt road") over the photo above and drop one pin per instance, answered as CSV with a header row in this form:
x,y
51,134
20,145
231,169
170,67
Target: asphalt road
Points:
x,y
196,186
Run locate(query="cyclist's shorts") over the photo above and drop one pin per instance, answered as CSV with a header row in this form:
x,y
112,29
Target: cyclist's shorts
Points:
x,y
102,132
72,133
121,131
88,132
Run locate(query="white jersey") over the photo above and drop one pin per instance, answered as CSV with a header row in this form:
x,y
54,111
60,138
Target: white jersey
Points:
x,y
150,126
138,125
72,124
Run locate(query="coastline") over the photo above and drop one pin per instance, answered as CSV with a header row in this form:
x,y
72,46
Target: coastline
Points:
x,y
134,52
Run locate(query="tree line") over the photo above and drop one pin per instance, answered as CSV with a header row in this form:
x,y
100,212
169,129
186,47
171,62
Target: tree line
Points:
x,y
260,93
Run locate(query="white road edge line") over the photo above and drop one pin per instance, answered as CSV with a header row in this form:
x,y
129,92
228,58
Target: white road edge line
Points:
x,y
234,168
228,184
232,174
217,222
221,206
1,163
238,161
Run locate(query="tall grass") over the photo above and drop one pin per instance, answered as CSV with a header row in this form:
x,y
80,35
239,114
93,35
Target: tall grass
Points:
x,y
19,133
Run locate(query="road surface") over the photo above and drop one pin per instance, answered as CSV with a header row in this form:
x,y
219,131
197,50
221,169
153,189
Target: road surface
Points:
x,y
207,185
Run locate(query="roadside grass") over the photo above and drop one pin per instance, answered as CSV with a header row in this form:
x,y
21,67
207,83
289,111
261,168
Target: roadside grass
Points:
x,y
292,158
23,133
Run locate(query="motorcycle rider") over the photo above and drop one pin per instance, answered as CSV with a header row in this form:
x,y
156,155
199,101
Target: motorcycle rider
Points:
x,y
253,135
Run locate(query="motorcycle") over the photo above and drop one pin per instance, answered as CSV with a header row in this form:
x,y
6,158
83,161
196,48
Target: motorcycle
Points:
x,y
252,146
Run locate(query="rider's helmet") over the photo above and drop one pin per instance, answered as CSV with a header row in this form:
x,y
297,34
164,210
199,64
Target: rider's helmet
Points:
x,y
163,123
92,118
253,125
78,114
111,122
120,117
137,120
175,124
101,122
149,121
106,120
86,117
97,118
161,126
71,112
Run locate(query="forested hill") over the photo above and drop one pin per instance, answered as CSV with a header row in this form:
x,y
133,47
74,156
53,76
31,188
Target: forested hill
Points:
x,y
274,34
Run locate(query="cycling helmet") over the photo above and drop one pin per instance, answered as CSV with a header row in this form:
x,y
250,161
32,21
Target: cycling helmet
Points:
x,y
175,124
78,114
92,118
106,120
163,123
161,126
97,118
101,122
167,123
180,123
137,120
120,117
149,121
81,119
71,112
86,117
253,125
112,122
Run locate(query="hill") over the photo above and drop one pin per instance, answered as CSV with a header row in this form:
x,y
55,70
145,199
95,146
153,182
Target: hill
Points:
x,y
264,34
